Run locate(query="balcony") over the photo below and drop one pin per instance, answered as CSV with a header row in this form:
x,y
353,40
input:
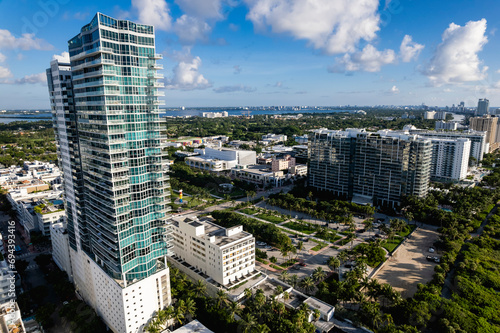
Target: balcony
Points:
x,y
155,56
155,66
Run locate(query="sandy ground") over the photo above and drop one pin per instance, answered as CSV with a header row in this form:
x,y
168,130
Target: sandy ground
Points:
x,y
408,266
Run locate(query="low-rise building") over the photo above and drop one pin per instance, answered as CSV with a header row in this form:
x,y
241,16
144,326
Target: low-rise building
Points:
x,y
50,209
221,159
227,255
259,174
283,163
269,139
10,318
60,248
222,114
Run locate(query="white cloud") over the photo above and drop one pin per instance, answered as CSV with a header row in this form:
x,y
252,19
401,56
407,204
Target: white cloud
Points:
x,y
234,88
25,42
153,12
2,57
332,26
369,60
204,9
394,90
63,57
409,50
190,29
456,57
5,73
186,75
237,69
32,79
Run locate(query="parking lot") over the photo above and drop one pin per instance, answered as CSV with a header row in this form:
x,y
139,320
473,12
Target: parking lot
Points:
x,y
409,266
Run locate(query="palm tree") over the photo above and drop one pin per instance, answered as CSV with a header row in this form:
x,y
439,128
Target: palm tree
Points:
x,y
178,315
221,298
333,263
318,274
307,284
247,323
262,328
284,276
316,314
234,308
286,296
153,327
200,289
248,293
369,225
190,309
294,280
278,291
343,256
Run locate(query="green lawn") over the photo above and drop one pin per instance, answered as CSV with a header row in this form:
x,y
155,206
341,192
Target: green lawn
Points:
x,y
330,238
299,227
276,267
404,234
289,263
270,218
319,246
390,245
262,260
249,211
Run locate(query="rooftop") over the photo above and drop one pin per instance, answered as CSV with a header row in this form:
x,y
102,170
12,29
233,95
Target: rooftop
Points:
x,y
210,229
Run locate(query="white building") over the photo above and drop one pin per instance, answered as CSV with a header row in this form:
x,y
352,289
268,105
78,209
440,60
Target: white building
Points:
x,y
215,114
450,158
221,159
24,204
10,318
7,283
444,125
269,139
60,248
259,174
225,255
441,115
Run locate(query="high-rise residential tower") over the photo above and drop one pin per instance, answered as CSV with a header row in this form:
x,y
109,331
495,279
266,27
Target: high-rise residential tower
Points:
x,y
483,107
370,168
489,125
119,234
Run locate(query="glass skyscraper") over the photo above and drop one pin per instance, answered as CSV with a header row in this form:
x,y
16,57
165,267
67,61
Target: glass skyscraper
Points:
x,y
118,231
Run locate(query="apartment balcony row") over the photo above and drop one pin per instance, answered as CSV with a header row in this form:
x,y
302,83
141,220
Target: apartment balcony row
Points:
x,y
99,72
96,62
91,52
154,75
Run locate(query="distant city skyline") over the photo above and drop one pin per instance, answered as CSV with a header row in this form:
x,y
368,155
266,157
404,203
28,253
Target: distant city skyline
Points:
x,y
276,52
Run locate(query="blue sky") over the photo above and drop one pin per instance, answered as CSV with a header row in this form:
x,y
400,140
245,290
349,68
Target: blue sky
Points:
x,y
276,52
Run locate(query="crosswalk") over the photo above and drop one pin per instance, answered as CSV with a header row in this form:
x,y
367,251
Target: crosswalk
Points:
x,y
24,255
31,267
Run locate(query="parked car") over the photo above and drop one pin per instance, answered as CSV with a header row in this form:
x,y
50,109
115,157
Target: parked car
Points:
x,y
361,230
437,259
432,250
303,264
429,258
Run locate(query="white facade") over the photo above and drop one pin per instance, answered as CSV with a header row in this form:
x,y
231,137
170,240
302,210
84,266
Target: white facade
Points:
x,y
450,158
60,248
215,114
125,309
443,125
24,203
221,159
7,283
10,318
223,254
268,139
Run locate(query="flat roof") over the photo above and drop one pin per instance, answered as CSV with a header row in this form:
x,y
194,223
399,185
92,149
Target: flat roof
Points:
x,y
211,229
193,326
